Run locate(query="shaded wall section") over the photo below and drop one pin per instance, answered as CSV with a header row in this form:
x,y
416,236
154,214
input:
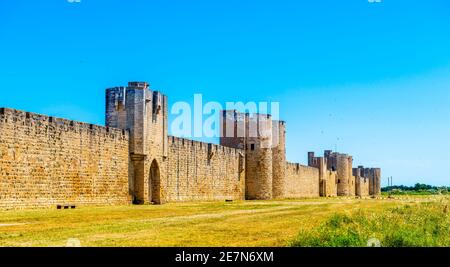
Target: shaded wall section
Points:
x,y
301,181
199,171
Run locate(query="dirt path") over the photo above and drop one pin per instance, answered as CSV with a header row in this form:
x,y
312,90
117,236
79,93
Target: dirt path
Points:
x,y
286,206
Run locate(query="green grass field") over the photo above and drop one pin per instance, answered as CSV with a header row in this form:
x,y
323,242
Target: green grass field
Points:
x,y
425,224
312,222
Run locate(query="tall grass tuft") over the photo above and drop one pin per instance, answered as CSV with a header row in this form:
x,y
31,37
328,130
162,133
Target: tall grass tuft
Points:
x,y
414,225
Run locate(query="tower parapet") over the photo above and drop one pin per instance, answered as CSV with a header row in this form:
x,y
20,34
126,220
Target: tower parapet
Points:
x,y
115,107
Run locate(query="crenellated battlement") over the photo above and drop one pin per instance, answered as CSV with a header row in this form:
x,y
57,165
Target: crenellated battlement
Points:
x,y
205,147
296,167
133,159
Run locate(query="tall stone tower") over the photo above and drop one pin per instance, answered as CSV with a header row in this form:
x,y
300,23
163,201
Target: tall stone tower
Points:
x,y
253,133
342,163
142,112
377,181
374,175
279,159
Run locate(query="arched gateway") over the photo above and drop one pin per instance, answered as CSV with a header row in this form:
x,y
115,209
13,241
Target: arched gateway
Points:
x,y
155,184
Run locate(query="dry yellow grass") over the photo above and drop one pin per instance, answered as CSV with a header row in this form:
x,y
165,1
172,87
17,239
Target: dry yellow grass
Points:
x,y
249,223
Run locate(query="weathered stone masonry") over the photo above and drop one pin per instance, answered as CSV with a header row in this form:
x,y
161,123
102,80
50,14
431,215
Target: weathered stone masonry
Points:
x,y
46,161
199,171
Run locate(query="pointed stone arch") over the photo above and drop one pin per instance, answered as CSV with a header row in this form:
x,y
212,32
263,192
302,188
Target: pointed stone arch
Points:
x,y
155,183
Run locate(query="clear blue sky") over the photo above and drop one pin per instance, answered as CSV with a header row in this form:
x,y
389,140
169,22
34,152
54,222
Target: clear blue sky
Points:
x,y
372,80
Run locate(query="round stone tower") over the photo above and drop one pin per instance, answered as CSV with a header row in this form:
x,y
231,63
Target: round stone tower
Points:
x,y
259,156
279,159
343,168
377,181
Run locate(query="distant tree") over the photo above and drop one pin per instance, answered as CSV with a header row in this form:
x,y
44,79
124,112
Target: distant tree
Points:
x,y
417,188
